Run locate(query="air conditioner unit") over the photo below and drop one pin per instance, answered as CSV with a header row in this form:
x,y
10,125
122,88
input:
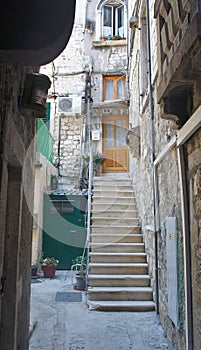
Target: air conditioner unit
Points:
x,y
70,105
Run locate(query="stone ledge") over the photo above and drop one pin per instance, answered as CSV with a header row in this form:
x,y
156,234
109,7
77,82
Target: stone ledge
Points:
x,y
108,43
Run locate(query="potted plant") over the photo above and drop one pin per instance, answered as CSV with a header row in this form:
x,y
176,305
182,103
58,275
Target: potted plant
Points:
x,y
103,38
34,268
48,267
79,264
98,159
116,37
85,157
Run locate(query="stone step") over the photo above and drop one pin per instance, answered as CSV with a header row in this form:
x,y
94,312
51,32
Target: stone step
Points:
x,y
138,306
110,213
108,179
118,268
97,257
120,293
112,192
119,280
101,179
114,221
106,186
117,247
116,237
97,199
116,207
123,229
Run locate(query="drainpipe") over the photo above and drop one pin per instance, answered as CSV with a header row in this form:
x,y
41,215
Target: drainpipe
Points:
x,y
153,153
186,245
59,148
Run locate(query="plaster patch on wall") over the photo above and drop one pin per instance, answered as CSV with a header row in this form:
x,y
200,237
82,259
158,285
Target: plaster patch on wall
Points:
x,y
133,141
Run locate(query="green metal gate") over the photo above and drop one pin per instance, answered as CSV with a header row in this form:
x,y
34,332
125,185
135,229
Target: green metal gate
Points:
x,y
64,225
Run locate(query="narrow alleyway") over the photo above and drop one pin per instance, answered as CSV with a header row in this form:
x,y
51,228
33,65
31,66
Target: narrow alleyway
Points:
x,y
69,325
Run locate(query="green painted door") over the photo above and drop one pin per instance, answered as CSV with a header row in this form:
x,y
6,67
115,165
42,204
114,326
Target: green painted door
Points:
x,y
64,227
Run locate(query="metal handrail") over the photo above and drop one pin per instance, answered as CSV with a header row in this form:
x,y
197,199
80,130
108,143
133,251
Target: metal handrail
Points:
x,y
90,178
87,242
91,166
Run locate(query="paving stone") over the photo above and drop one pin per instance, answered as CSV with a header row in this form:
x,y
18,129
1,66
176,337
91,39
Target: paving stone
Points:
x,y
72,326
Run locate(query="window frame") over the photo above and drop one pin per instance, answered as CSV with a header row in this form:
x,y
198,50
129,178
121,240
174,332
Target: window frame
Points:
x,y
120,7
114,19
106,28
115,79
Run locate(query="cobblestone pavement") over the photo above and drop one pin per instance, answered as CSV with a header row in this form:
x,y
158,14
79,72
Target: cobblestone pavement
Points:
x,y
61,325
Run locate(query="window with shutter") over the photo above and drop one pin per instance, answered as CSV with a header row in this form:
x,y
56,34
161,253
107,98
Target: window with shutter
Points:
x,y
113,19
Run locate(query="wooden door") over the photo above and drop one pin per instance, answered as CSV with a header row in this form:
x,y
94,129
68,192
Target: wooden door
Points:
x,y
114,144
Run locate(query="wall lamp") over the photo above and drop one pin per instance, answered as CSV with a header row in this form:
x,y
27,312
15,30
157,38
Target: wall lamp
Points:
x,y
34,96
134,22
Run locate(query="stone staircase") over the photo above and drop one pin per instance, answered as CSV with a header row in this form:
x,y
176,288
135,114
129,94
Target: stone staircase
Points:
x,y
118,279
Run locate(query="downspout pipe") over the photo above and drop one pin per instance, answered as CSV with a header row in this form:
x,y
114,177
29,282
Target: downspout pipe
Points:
x,y
186,245
59,148
153,153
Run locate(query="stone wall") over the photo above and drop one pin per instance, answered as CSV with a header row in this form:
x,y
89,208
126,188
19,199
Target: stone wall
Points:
x,y
70,149
68,76
169,205
193,152
166,170
16,175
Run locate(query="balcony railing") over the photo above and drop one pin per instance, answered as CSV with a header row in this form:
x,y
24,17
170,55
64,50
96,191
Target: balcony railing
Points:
x,y
44,140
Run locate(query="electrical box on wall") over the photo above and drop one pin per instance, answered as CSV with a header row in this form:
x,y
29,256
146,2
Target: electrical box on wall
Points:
x,y
172,278
95,135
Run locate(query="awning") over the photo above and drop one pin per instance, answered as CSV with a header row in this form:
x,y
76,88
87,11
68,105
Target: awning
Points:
x,y
34,32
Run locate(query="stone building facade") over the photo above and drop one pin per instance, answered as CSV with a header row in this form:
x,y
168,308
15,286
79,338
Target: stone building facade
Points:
x,y
23,48
165,155
16,221
160,106
67,99
78,76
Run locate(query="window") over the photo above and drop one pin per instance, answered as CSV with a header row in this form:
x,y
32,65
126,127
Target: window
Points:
x,y
113,19
61,207
114,87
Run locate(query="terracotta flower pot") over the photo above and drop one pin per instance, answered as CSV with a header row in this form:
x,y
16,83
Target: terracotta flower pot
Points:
x,y
103,38
49,270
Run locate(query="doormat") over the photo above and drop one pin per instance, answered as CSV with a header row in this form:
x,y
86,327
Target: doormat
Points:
x,y
69,297
34,280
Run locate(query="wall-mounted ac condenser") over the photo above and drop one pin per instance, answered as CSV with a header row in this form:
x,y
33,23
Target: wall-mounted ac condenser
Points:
x,y
70,105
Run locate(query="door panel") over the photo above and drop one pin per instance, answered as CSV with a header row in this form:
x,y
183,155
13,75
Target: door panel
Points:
x,y
114,144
